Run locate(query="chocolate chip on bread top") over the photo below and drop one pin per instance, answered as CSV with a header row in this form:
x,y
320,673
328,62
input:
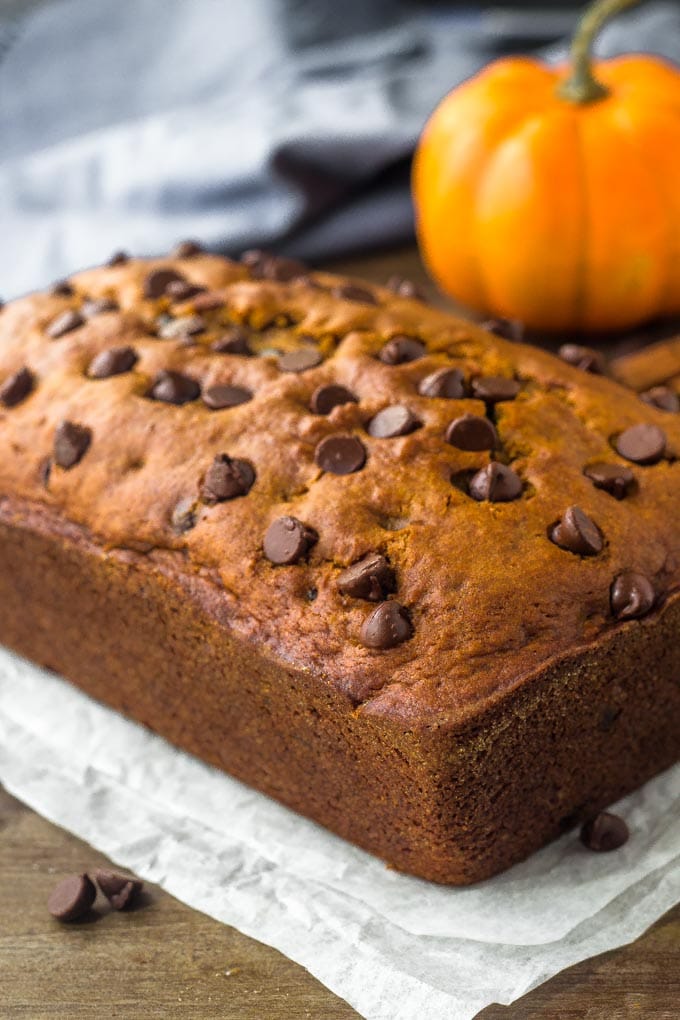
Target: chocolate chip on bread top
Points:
x,y
519,505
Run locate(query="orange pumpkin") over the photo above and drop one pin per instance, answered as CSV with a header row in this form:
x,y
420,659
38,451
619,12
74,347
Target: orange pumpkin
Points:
x,y
553,195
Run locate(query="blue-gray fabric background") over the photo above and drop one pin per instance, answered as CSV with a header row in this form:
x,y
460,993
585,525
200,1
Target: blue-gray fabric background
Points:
x,y
288,123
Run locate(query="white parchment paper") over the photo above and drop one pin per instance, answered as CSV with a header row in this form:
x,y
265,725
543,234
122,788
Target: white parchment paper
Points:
x,y
396,948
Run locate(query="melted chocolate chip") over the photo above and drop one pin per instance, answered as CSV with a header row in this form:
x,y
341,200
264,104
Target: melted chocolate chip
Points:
x,y
287,540
98,306
114,361
352,292
604,833
183,517
17,387
632,595
234,341
174,388
300,360
64,323
585,358
615,479
208,301
405,288
340,455
370,578
325,398
62,288
71,441
577,533
119,258
495,388
221,396
158,281
641,444
186,249
387,626
392,421
120,890
662,397
509,329
227,478
445,382
471,432
71,898
495,483
184,325
402,349
182,290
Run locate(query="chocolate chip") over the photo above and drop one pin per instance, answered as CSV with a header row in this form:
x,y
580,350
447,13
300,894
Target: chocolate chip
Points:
x,y
71,898
300,360
388,625
287,540
255,258
226,478
445,382
44,471
70,443
183,517
221,396
577,533
470,432
158,281
265,266
402,349
392,421
114,361
605,832
494,388
184,325
662,397
64,323
370,578
98,306
405,288
325,398
632,595
234,341
340,455
352,292
119,258
182,290
174,388
585,358
17,387
641,444
62,288
615,479
495,483
120,890
509,329
187,249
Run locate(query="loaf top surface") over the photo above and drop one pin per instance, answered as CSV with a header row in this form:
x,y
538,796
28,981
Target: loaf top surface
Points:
x,y
208,434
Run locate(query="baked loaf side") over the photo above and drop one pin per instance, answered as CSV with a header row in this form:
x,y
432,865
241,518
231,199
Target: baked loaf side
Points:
x,y
412,579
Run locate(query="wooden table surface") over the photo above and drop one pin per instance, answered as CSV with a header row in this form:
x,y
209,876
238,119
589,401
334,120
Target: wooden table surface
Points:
x,y
166,960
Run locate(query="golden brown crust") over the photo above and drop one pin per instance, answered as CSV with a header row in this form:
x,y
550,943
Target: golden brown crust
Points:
x,y
491,598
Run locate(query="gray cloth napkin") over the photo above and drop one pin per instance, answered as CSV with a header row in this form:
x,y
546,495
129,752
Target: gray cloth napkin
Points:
x,y
285,123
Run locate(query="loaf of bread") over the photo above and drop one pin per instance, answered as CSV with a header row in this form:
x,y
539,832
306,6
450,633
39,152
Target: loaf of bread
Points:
x,y
414,580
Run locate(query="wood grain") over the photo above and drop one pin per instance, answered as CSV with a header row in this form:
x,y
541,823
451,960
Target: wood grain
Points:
x,y
166,960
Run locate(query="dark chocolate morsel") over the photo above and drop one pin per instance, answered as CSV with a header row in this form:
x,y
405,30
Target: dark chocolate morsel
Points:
x,y
605,832
120,890
325,398
233,341
509,329
585,358
158,281
174,388
98,306
472,432
370,578
17,387
632,595
64,323
448,383
353,292
340,454
495,388
71,898
496,483
663,398
392,421
300,360
114,361
186,249
577,533
616,479
222,395
226,478
287,540
641,444
71,441
402,349
387,626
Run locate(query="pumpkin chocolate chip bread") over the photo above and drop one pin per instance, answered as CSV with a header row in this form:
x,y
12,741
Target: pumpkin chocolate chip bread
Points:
x,y
416,581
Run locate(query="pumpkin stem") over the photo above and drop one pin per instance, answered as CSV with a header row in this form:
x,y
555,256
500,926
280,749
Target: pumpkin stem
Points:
x,y
582,86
